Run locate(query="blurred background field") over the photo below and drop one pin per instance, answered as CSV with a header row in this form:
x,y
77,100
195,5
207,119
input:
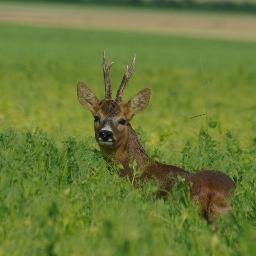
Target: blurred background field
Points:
x,y
57,195
187,76
207,24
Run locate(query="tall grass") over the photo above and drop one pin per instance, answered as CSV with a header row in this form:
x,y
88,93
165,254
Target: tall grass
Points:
x,y
62,200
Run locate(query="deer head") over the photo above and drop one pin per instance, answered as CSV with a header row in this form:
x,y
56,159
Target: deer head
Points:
x,y
112,117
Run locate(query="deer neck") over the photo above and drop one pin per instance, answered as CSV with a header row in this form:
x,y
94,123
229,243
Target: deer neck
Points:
x,y
129,152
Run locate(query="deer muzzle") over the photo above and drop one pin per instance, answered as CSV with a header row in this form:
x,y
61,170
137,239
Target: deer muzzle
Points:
x,y
106,138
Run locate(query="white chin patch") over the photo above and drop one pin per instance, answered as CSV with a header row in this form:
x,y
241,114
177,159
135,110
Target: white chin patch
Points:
x,y
109,142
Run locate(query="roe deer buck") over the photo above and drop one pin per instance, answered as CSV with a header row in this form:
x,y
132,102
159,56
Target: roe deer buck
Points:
x,y
120,145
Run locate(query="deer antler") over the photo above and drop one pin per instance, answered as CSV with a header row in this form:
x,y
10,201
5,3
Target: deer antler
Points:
x,y
106,71
127,75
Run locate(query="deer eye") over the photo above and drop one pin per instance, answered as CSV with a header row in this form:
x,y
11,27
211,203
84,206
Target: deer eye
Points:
x,y
122,121
96,118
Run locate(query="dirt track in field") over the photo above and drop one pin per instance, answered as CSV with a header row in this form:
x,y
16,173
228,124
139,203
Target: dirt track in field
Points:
x,y
230,27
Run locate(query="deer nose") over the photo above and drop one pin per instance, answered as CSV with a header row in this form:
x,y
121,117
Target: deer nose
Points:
x,y
106,135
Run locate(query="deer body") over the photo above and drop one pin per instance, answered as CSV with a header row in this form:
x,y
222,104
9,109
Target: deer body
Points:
x,y
211,189
120,145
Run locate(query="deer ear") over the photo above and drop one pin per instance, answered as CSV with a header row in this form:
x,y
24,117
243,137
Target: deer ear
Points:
x,y
138,103
87,98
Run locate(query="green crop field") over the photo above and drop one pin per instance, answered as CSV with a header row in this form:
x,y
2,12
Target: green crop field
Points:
x,y
57,196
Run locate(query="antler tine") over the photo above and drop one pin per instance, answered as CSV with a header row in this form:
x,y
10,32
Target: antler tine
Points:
x,y
127,75
106,71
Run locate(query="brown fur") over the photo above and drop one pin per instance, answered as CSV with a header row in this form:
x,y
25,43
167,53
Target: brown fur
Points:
x,y
211,189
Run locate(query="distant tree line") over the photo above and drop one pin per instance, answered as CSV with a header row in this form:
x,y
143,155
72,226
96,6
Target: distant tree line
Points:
x,y
239,5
